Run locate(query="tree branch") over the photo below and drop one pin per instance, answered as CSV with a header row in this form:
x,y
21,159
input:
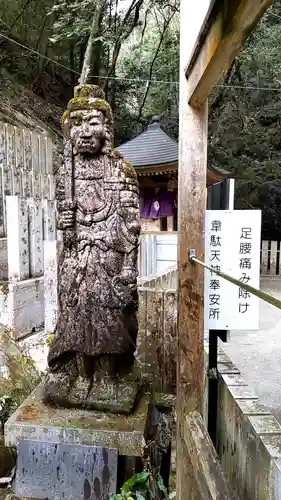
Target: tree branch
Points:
x,y
144,24
123,35
21,13
166,24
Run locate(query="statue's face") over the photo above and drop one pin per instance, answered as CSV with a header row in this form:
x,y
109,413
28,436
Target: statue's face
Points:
x,y
87,131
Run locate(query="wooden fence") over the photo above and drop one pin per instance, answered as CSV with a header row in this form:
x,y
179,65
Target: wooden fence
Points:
x,y
157,338
270,258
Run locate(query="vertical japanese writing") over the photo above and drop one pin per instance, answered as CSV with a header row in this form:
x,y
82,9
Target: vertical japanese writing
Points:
x,y
245,266
214,296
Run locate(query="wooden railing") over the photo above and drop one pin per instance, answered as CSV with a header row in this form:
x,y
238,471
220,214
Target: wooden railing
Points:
x,y
157,355
156,350
162,279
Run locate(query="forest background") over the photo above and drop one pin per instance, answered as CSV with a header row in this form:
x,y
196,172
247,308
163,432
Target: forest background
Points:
x,y
136,61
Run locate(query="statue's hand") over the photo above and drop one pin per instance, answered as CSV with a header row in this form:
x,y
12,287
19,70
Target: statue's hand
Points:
x,y
125,285
121,290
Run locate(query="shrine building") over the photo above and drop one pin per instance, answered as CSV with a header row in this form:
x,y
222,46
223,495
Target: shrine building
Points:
x,y
154,155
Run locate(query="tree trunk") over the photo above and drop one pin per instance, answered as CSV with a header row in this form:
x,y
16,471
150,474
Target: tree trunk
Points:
x,y
93,36
166,24
43,47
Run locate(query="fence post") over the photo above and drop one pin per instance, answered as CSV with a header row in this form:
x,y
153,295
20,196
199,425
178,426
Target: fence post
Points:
x,y
264,257
273,258
17,238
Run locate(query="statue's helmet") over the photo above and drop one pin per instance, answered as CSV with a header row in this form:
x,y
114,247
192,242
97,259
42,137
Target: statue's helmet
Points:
x,y
89,98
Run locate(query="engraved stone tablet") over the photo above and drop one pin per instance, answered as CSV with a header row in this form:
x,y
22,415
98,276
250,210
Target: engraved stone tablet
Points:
x,y
64,471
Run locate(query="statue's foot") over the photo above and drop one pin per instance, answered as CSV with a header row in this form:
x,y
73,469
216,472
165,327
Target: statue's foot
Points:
x,y
79,392
57,388
62,389
118,395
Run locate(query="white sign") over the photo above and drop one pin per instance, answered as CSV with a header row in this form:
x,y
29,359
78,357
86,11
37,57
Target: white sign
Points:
x,y
232,246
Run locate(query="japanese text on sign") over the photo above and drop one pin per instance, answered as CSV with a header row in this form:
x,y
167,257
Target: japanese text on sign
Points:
x,y
232,245
215,258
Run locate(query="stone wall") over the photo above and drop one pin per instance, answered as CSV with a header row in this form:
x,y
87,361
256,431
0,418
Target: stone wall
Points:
x,y
248,436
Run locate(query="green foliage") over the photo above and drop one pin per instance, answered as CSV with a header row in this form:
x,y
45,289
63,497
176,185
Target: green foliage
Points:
x,y
138,483
20,378
139,43
245,126
138,487
50,339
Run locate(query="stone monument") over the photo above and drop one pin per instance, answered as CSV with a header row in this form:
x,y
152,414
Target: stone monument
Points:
x,y
91,360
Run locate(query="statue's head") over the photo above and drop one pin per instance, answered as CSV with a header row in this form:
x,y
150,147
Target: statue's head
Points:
x,y
88,122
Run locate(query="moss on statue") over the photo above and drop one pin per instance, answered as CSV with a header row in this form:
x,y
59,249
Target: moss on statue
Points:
x,y
89,91
84,103
129,170
118,155
64,118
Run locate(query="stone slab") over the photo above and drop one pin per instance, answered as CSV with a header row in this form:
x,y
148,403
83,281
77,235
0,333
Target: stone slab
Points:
x,y
22,305
36,421
76,472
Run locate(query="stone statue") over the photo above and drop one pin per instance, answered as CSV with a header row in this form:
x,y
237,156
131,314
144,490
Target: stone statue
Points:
x,y
91,360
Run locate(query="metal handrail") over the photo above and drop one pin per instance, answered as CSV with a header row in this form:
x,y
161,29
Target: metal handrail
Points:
x,y
254,291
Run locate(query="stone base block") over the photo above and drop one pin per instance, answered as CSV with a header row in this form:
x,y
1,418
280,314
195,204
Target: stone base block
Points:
x,y
35,420
22,305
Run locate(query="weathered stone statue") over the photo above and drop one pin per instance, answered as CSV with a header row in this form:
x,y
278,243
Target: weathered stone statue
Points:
x,y
91,360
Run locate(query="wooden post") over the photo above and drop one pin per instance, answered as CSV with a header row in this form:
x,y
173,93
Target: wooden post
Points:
x,y
211,34
191,218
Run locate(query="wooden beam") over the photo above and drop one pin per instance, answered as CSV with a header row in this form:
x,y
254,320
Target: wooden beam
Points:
x,y
198,28
231,28
191,221
211,481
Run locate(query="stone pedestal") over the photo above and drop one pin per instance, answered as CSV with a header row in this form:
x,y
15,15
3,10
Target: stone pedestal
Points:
x,y
34,420
37,422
